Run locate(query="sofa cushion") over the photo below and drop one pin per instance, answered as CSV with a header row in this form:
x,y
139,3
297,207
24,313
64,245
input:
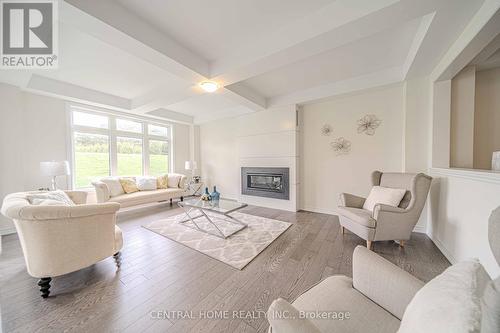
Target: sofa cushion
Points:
x,y
129,185
114,186
146,183
50,198
383,195
448,303
162,182
285,318
358,215
335,294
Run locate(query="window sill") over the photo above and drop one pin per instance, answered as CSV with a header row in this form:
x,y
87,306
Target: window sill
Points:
x,y
487,176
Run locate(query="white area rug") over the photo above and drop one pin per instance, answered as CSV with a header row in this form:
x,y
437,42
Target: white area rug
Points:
x,y
237,250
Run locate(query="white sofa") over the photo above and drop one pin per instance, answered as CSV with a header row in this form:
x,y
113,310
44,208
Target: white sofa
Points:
x,y
104,194
57,239
381,297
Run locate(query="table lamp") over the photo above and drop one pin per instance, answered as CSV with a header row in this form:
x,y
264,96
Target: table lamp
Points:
x,y
191,166
54,169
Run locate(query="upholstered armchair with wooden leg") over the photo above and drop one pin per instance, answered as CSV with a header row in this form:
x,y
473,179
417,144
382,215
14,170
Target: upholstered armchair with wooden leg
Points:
x,y
60,239
386,222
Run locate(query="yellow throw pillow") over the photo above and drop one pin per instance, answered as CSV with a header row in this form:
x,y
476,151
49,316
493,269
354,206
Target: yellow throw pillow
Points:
x,y
129,185
162,181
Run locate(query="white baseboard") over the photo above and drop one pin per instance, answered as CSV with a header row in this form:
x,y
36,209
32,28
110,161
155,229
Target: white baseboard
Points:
x,y
442,248
421,229
319,210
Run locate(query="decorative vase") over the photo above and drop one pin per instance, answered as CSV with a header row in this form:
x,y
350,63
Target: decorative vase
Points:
x,y
215,195
495,161
206,196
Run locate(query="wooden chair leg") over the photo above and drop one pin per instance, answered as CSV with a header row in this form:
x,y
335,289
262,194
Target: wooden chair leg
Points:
x,y
342,229
402,243
369,245
118,259
171,202
44,285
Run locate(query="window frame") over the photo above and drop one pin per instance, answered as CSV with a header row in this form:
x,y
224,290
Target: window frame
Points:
x,y
112,134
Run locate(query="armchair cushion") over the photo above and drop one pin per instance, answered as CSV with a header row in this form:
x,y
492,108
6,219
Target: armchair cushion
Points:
x,y
335,294
283,317
351,200
448,303
383,195
383,282
358,215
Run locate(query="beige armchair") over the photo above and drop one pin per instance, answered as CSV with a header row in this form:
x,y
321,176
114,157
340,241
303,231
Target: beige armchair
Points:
x,y
57,240
386,222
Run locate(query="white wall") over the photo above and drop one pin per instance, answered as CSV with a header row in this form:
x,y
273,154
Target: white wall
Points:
x,y
262,139
324,175
181,147
33,129
461,202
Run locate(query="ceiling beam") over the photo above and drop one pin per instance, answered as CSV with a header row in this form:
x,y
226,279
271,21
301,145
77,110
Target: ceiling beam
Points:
x,y
478,33
422,31
380,78
55,88
271,52
234,67
115,25
244,95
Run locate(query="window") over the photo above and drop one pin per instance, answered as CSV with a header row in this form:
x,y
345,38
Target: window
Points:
x,y
91,157
128,126
129,156
108,145
158,157
91,120
157,130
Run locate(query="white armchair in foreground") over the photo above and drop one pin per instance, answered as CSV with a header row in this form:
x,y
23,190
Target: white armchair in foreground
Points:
x,y
57,240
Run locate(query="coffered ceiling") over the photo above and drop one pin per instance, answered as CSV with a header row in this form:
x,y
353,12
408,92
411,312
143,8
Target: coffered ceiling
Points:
x,y
148,56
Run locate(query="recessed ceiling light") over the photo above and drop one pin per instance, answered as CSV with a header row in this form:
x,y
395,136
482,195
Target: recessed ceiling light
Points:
x,y
209,86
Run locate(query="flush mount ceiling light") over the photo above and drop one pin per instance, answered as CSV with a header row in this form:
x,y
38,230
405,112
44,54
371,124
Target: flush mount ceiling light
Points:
x,y
209,86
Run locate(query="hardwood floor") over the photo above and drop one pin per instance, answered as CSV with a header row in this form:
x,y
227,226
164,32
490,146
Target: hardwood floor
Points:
x,y
159,275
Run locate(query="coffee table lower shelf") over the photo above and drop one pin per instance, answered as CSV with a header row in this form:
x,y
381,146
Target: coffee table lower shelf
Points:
x,y
188,209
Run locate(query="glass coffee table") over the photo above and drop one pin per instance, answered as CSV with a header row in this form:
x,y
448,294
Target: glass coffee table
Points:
x,y
212,217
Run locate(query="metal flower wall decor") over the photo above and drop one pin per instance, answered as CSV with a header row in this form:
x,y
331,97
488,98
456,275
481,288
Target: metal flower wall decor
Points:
x,y
368,124
341,146
326,130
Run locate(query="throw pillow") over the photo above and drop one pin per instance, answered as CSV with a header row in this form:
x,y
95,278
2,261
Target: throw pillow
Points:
x,y
146,183
383,195
129,185
162,182
285,318
114,186
173,180
50,198
448,303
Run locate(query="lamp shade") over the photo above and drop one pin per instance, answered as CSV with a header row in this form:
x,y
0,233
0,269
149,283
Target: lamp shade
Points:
x,y
190,165
54,168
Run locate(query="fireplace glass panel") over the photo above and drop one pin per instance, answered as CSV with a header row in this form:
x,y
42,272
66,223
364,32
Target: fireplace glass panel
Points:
x,y
266,182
